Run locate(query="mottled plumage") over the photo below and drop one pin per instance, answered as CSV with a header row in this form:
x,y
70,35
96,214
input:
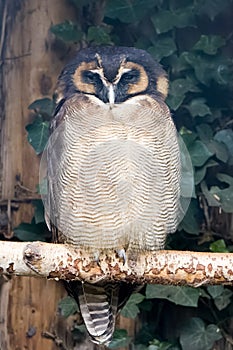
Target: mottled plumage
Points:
x,y
113,166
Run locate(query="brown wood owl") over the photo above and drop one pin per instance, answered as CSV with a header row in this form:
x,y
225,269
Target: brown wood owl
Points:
x,y
113,167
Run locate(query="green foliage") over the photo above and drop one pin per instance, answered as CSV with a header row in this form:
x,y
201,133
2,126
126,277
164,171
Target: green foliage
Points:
x,y
221,296
166,20
199,153
162,47
128,11
131,308
192,42
67,306
219,246
37,229
67,31
155,344
209,44
44,106
194,333
120,339
31,232
39,211
225,137
38,134
185,296
99,35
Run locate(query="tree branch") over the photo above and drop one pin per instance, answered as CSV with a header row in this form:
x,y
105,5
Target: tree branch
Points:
x,y
59,261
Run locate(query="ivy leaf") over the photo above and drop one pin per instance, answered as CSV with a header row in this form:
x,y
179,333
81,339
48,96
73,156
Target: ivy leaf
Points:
x,y
166,20
163,21
226,137
178,64
174,101
199,174
196,334
163,47
67,31
39,211
185,296
199,153
201,171
219,149
128,11
222,296
205,132
155,344
212,8
130,310
209,44
224,196
198,107
177,91
219,246
67,306
188,136
120,339
38,134
215,291
99,35
30,232
223,300
212,68
43,106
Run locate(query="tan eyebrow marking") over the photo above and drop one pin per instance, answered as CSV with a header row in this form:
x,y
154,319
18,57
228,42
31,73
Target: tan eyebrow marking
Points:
x,y
142,83
77,77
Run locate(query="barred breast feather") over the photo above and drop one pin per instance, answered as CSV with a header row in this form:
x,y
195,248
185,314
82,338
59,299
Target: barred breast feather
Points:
x,y
114,173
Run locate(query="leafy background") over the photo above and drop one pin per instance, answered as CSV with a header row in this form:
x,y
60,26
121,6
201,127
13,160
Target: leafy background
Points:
x,y
193,40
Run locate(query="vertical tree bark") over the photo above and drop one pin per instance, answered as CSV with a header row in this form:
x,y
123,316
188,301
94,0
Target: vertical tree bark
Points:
x,y
29,69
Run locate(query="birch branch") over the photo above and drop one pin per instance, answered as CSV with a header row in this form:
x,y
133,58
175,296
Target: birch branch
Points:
x,y
59,261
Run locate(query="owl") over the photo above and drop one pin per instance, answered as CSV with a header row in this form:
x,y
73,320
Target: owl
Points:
x,y
113,168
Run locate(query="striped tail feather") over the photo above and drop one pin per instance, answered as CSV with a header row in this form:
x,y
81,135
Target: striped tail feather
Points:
x,y
98,305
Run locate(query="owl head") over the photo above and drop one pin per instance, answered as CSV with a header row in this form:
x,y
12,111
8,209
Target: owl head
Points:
x,y
112,74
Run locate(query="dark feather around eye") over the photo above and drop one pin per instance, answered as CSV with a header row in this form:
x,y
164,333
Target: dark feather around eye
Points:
x,y
89,77
131,76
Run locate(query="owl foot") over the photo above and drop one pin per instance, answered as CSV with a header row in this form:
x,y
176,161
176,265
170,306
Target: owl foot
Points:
x,y
96,257
122,255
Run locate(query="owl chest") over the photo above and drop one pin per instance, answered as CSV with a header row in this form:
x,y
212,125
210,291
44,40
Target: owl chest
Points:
x,y
113,147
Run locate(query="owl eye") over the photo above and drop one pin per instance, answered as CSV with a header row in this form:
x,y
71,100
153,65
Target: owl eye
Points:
x,y
89,77
131,76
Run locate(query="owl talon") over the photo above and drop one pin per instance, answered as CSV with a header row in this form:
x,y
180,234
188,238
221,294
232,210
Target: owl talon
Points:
x,y
96,257
122,255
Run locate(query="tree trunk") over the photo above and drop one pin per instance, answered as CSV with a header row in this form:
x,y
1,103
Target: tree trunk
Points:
x,y
29,69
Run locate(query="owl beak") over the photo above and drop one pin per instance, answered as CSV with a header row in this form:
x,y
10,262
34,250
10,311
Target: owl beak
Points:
x,y
111,94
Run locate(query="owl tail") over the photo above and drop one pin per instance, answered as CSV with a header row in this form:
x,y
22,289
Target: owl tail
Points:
x,y
98,305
